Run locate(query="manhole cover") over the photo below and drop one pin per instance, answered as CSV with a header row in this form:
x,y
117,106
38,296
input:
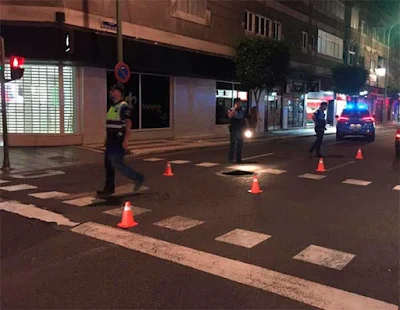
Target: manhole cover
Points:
x,y
237,173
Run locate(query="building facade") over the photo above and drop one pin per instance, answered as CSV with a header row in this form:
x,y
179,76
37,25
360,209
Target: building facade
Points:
x,y
181,54
366,44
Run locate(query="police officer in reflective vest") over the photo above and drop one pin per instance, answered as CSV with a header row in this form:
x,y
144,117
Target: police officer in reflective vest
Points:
x,y
320,127
118,126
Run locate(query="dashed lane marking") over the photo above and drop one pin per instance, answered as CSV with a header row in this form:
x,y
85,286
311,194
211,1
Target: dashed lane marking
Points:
x,y
341,166
307,292
48,195
357,182
325,257
3,181
311,176
244,238
396,188
31,211
207,165
37,175
119,211
83,201
16,188
153,159
258,156
178,223
179,162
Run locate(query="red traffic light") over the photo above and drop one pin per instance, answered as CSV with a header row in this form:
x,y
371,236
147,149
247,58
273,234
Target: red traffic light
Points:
x,y
17,62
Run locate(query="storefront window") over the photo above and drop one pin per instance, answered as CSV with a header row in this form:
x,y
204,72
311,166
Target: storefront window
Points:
x,y
225,95
33,102
155,101
149,96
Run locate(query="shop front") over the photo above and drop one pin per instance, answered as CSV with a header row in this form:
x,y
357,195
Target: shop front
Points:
x,y
41,107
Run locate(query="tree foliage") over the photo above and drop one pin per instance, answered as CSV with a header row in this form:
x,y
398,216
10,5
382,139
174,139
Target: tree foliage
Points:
x,y
349,80
261,63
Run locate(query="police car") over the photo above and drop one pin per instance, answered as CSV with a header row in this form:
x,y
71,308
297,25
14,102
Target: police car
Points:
x,y
355,121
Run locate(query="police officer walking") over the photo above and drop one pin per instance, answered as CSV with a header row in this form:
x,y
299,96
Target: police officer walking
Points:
x,y
118,126
236,129
320,123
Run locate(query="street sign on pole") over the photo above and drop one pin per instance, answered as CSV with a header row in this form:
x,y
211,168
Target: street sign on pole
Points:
x,y
122,72
6,158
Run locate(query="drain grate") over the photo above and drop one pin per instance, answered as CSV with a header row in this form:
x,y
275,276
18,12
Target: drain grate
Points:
x,y
238,173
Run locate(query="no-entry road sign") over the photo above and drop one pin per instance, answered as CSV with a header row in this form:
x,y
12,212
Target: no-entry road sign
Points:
x,y
122,72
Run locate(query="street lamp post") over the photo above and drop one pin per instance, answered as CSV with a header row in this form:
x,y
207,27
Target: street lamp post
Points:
x,y
384,116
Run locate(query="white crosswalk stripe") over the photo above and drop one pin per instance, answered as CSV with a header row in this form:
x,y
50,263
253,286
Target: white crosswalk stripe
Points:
x,y
153,159
311,176
83,201
244,238
356,182
178,223
179,162
16,188
48,195
207,165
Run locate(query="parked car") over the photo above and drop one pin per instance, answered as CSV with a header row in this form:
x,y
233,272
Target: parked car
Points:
x,y
355,120
397,143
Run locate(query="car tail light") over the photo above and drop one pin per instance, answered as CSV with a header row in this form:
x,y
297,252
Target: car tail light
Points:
x,y
368,118
398,135
342,118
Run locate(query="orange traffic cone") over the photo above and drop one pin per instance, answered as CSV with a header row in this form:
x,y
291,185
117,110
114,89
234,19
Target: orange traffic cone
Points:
x,y
168,170
359,154
255,187
127,217
321,167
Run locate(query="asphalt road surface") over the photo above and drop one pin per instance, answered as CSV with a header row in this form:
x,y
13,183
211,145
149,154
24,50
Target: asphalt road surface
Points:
x,y
310,240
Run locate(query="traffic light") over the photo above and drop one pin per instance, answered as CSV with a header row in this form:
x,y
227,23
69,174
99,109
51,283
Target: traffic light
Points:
x,y
16,71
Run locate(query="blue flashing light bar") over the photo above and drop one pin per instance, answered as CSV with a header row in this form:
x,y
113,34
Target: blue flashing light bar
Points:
x,y
351,106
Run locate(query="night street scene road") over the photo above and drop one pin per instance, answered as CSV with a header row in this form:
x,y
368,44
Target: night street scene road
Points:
x,y
200,154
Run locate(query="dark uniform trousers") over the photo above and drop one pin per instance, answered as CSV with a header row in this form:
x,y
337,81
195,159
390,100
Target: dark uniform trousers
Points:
x,y
316,146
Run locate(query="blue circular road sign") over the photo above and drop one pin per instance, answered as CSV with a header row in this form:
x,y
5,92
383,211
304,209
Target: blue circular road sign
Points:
x,y
122,72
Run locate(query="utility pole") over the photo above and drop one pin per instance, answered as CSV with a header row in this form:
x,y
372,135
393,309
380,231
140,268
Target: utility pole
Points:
x,y
120,51
6,154
384,116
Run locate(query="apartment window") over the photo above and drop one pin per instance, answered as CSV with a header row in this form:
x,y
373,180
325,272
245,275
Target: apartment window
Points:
x,y
352,55
191,10
355,15
314,43
329,44
374,33
249,21
363,28
304,43
192,7
330,7
277,30
340,10
33,102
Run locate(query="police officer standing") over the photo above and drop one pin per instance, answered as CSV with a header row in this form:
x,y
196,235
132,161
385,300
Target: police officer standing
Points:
x,y
118,126
320,123
237,117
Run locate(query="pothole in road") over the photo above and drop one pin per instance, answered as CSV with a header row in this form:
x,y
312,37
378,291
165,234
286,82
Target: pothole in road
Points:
x,y
237,173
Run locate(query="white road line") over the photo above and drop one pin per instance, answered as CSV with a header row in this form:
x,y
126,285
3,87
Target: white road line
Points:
x,y
207,164
325,257
19,187
340,166
30,211
356,182
312,176
178,223
307,292
3,181
258,156
179,162
396,188
153,159
41,174
48,195
244,238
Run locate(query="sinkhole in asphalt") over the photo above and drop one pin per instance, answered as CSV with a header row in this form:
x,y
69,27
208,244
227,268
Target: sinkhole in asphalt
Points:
x,y
238,173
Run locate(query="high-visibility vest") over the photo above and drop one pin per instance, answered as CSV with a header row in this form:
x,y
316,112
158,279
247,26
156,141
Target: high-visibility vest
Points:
x,y
114,121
